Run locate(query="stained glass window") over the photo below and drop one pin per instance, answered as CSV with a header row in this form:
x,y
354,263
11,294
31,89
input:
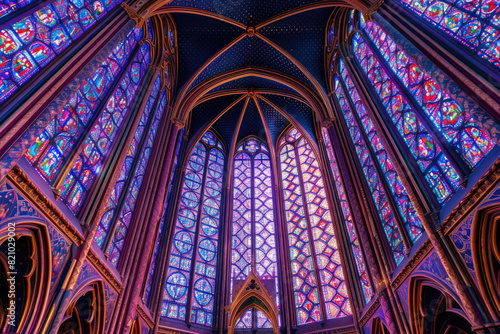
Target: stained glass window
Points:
x,y
351,229
123,220
378,191
162,223
97,145
317,272
114,200
404,205
475,24
34,40
193,256
253,226
447,115
59,137
440,175
253,318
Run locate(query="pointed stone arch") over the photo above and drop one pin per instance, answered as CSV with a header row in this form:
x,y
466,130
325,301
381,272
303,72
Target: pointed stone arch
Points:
x,y
378,327
30,241
86,311
435,308
253,295
485,247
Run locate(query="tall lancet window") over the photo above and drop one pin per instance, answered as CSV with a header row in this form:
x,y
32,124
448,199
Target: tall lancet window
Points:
x,y
33,39
74,147
114,224
253,227
375,163
191,274
364,279
430,121
318,277
475,24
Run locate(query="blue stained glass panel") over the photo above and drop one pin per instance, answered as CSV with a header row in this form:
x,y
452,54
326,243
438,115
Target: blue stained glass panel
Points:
x,y
123,221
34,40
112,203
97,145
53,145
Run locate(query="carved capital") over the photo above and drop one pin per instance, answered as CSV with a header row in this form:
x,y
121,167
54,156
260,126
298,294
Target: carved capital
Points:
x,y
328,122
139,20
177,122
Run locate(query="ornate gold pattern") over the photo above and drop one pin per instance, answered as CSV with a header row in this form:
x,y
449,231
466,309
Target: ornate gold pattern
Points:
x,y
478,192
412,264
19,178
145,315
369,312
104,271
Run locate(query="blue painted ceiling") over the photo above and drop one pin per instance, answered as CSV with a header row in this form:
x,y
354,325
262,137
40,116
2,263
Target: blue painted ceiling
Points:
x,y
293,46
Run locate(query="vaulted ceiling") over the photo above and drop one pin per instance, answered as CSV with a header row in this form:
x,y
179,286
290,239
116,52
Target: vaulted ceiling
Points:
x,y
274,49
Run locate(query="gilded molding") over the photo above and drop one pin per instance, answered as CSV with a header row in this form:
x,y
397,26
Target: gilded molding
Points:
x,y
104,271
369,312
421,253
19,178
478,192
145,316
139,20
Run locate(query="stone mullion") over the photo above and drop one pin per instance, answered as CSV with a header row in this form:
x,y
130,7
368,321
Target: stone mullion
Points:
x,y
348,262
483,88
161,269
30,116
225,235
122,147
376,164
226,242
285,273
168,239
374,249
462,169
147,212
429,223
73,155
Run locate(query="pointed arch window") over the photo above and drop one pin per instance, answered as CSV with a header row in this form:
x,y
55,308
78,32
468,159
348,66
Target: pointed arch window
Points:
x,y
363,276
62,133
474,24
111,233
59,142
191,273
30,43
375,161
253,226
164,217
97,145
440,134
317,273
